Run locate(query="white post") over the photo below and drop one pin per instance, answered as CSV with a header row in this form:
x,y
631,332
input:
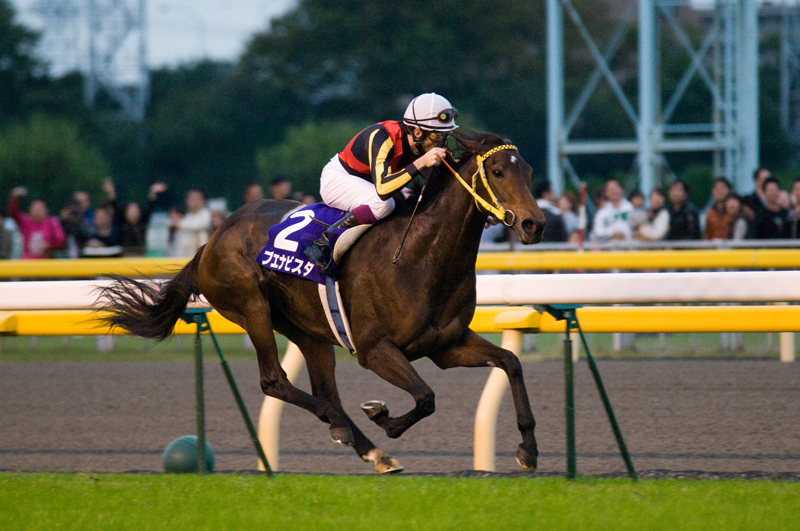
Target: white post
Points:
x,y
269,421
787,347
576,346
489,404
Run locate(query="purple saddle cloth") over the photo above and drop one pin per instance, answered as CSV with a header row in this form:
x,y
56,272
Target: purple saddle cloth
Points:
x,y
289,238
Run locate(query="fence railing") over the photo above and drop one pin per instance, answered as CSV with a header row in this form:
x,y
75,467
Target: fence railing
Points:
x,y
543,260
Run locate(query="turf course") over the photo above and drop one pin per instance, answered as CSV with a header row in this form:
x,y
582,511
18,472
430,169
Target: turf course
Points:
x,y
81,501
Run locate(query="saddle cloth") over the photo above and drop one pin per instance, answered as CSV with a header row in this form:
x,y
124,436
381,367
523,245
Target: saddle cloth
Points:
x,y
299,228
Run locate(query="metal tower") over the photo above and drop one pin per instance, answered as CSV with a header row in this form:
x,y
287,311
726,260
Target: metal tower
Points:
x,y
726,61
106,41
790,69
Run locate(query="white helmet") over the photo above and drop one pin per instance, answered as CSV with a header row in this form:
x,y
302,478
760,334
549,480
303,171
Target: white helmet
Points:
x,y
431,112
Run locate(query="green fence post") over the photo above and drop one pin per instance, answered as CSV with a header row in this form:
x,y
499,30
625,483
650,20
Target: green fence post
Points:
x,y
569,390
623,449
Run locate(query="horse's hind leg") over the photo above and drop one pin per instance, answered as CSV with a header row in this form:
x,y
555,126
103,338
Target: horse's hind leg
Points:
x,y
388,362
321,365
474,351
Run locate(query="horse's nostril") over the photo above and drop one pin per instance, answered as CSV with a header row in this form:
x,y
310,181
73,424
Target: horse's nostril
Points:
x,y
528,225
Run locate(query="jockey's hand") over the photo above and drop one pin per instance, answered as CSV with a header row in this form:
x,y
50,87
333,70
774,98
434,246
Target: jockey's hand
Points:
x,y
431,158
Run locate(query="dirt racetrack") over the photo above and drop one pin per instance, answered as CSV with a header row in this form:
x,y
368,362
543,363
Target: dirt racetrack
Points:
x,y
728,416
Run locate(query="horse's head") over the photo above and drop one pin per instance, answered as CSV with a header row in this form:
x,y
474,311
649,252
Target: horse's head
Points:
x,y
502,181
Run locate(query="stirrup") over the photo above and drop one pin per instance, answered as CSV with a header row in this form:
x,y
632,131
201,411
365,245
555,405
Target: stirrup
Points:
x,y
319,252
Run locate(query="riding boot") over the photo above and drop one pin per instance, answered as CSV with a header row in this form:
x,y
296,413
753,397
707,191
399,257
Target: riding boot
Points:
x,y
319,252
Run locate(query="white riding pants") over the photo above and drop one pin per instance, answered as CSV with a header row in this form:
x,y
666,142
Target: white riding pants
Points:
x,y
341,190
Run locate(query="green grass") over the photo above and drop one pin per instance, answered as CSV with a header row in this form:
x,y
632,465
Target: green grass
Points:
x,y
298,502
548,346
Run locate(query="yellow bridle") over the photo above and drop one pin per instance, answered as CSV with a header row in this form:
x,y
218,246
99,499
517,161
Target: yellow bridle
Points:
x,y
496,209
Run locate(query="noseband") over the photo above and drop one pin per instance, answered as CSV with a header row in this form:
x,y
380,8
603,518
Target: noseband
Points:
x,y
507,217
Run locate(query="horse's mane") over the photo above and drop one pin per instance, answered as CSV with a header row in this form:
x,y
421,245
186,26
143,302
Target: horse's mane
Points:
x,y
473,142
468,144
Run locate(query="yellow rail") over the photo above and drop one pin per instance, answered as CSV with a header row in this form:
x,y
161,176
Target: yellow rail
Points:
x,y
662,259
91,267
522,261
488,319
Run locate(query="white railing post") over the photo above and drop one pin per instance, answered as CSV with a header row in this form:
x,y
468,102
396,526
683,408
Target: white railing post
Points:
x,y
489,404
787,347
269,420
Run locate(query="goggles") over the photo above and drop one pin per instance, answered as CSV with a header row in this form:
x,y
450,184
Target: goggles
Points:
x,y
437,136
447,115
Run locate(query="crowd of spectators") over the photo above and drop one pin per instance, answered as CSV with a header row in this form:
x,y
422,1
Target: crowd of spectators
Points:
x,y
769,213
161,226
112,229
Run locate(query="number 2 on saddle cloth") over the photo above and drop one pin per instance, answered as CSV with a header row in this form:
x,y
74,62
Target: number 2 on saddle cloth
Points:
x,y
289,238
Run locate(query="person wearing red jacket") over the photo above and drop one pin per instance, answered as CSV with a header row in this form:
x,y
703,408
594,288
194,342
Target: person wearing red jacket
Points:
x,y
42,234
379,161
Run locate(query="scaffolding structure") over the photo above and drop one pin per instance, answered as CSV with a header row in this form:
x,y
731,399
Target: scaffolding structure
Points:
x,y
106,41
726,61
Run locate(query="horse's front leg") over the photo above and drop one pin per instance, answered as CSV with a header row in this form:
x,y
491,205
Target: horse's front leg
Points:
x,y
389,362
321,364
475,351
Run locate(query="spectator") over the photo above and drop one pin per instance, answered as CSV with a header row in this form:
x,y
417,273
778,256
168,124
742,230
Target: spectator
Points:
x,y
104,240
5,238
598,200
217,219
280,187
771,221
42,234
612,221
739,226
684,220
77,218
639,214
784,199
253,192
175,215
568,205
656,224
794,211
718,222
133,222
555,230
194,226
752,203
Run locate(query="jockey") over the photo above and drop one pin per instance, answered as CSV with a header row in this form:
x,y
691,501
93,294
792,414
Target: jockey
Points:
x,y
378,162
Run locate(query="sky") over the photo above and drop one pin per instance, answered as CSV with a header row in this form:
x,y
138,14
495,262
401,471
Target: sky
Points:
x,y
180,31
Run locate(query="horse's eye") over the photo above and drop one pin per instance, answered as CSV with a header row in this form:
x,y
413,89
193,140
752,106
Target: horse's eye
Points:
x,y
497,173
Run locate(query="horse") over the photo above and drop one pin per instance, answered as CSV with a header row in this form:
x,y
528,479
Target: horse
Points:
x,y
420,306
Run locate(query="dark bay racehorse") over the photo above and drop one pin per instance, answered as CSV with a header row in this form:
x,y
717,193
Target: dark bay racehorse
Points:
x,y
420,307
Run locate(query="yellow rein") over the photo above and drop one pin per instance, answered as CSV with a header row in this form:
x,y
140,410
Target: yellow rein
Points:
x,y
497,209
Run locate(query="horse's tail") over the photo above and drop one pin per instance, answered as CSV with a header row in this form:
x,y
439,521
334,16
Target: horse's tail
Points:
x,y
148,309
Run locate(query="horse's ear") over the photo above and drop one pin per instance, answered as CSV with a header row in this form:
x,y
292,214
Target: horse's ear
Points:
x,y
470,140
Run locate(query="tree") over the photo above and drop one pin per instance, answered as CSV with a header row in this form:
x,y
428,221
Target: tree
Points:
x,y
304,152
17,65
48,156
206,121
363,60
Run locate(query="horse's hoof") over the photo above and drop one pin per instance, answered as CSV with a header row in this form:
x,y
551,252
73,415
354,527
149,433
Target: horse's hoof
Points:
x,y
375,409
384,463
527,460
343,436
